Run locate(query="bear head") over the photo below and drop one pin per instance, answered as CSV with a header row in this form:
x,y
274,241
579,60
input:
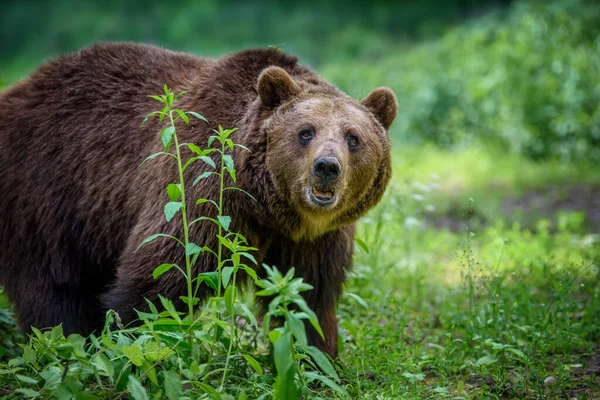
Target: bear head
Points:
x,y
328,155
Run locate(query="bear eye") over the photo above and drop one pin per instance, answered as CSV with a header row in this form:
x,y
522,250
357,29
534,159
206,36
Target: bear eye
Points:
x,y
353,141
305,135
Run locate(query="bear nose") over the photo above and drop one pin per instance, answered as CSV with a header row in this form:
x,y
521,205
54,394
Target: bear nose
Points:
x,y
327,169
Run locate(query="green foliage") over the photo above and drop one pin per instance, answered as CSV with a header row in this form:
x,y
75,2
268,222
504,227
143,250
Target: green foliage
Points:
x,y
527,81
36,29
289,341
488,310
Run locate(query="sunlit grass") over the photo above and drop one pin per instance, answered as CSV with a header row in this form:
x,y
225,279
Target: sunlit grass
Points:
x,y
492,309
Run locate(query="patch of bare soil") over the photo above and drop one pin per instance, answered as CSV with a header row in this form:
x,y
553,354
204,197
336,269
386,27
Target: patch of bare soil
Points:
x,y
587,379
529,208
548,201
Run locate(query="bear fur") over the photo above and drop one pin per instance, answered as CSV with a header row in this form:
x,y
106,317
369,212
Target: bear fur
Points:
x,y
75,202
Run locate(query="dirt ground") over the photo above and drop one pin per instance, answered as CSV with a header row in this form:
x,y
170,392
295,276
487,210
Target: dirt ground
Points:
x,y
587,379
547,202
529,208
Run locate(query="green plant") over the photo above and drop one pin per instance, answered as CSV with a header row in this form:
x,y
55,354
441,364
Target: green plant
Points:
x,y
289,341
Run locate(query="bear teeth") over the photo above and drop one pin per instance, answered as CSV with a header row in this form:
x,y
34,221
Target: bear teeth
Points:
x,y
322,195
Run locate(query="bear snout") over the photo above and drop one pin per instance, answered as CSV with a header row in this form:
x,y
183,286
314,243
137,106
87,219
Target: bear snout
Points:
x,y
326,169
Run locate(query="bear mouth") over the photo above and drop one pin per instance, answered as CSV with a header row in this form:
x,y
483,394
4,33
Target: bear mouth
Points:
x,y
322,196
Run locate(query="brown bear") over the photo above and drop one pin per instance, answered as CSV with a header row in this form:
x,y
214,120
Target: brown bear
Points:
x,y
75,203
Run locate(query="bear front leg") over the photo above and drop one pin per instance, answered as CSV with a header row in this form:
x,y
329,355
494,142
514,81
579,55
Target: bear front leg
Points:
x,y
324,305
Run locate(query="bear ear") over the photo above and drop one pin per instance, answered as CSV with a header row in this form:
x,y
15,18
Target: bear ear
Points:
x,y
382,103
275,86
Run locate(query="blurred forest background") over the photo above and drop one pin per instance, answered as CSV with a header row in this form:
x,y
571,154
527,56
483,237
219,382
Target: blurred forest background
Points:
x,y
520,75
482,279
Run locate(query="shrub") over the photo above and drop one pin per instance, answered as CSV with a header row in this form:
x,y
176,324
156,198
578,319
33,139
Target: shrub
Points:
x,y
528,80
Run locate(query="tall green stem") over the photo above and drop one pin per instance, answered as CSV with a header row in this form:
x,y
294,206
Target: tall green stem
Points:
x,y
220,246
186,235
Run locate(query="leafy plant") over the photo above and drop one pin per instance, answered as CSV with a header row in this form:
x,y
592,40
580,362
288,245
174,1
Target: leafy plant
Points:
x,y
292,353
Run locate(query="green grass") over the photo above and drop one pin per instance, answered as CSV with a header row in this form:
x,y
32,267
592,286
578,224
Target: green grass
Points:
x,y
488,311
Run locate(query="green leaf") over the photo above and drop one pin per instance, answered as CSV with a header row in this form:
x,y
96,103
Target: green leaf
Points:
x,y
214,221
225,133
358,299
182,115
228,161
296,326
243,147
314,321
56,333
144,315
134,354
232,174
285,384
154,352
151,306
168,305
254,364
52,376
519,353
250,271
195,149
186,300
240,190
486,360
150,373
282,352
103,365
156,236
166,135
209,161
414,377
225,221
161,269
26,379
174,191
202,201
326,381
195,114
28,393
197,369
157,98
192,248
163,113
249,257
149,116
210,278
202,176
248,313
181,94
322,361
160,153
171,209
172,384
362,245
136,389
230,298
226,275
